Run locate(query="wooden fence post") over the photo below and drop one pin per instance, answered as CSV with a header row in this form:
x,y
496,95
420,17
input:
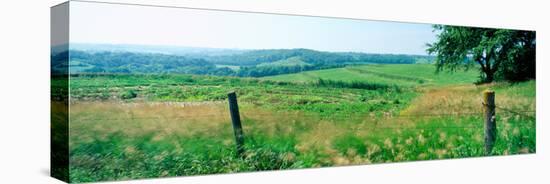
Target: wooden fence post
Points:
x,y
236,121
490,120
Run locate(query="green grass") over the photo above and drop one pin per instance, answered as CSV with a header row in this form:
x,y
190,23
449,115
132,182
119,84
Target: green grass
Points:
x,y
113,149
179,125
322,99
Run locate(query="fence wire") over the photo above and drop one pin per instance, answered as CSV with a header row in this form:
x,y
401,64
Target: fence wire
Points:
x,y
378,121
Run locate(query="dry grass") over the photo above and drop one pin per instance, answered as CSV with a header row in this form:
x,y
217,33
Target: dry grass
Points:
x,y
456,100
90,119
447,100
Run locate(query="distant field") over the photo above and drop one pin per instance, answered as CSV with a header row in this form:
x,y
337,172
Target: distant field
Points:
x,y
293,61
232,67
279,96
399,74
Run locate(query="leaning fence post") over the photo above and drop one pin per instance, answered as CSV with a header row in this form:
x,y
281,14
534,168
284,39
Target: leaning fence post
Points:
x,y
490,120
236,121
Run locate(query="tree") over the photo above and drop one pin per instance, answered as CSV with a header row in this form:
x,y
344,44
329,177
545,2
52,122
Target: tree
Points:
x,y
522,64
496,51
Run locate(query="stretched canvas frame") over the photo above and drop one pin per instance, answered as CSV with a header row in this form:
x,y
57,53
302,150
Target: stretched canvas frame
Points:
x,y
143,91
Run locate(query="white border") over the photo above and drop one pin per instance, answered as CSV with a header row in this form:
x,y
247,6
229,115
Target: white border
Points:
x,y
24,96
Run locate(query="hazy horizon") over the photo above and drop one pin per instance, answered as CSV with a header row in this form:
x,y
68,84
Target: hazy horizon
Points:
x,y
221,48
100,23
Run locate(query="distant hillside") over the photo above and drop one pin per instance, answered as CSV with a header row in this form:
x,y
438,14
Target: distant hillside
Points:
x,y
291,61
90,58
259,63
256,57
128,62
402,75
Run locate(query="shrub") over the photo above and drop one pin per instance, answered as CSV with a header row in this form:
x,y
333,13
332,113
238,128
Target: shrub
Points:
x,y
128,94
353,84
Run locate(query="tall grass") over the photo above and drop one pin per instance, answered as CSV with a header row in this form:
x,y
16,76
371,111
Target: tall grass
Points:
x,y
194,140
179,125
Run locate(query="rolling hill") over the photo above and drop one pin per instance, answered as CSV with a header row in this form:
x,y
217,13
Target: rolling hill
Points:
x,y
105,58
403,75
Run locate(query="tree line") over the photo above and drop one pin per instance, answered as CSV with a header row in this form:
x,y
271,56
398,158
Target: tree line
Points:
x,y
250,64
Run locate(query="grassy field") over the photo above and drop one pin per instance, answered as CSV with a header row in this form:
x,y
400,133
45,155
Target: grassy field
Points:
x,y
293,61
400,74
140,126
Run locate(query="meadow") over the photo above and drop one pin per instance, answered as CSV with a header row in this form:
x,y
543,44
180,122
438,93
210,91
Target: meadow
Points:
x,y
149,125
400,74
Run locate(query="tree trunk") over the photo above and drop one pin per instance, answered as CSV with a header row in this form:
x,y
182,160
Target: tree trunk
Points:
x,y
489,76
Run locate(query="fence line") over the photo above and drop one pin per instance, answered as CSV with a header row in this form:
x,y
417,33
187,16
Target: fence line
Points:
x,y
516,112
488,114
376,124
337,116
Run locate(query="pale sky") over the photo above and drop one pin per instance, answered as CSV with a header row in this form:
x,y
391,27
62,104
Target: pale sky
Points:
x,y
128,24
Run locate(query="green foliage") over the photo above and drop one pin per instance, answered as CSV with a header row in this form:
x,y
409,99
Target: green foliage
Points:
x,y
521,62
59,65
128,95
313,57
129,62
494,50
354,84
254,63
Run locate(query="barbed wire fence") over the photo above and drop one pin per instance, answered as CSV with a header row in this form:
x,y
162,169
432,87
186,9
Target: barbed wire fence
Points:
x,y
522,113
488,114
